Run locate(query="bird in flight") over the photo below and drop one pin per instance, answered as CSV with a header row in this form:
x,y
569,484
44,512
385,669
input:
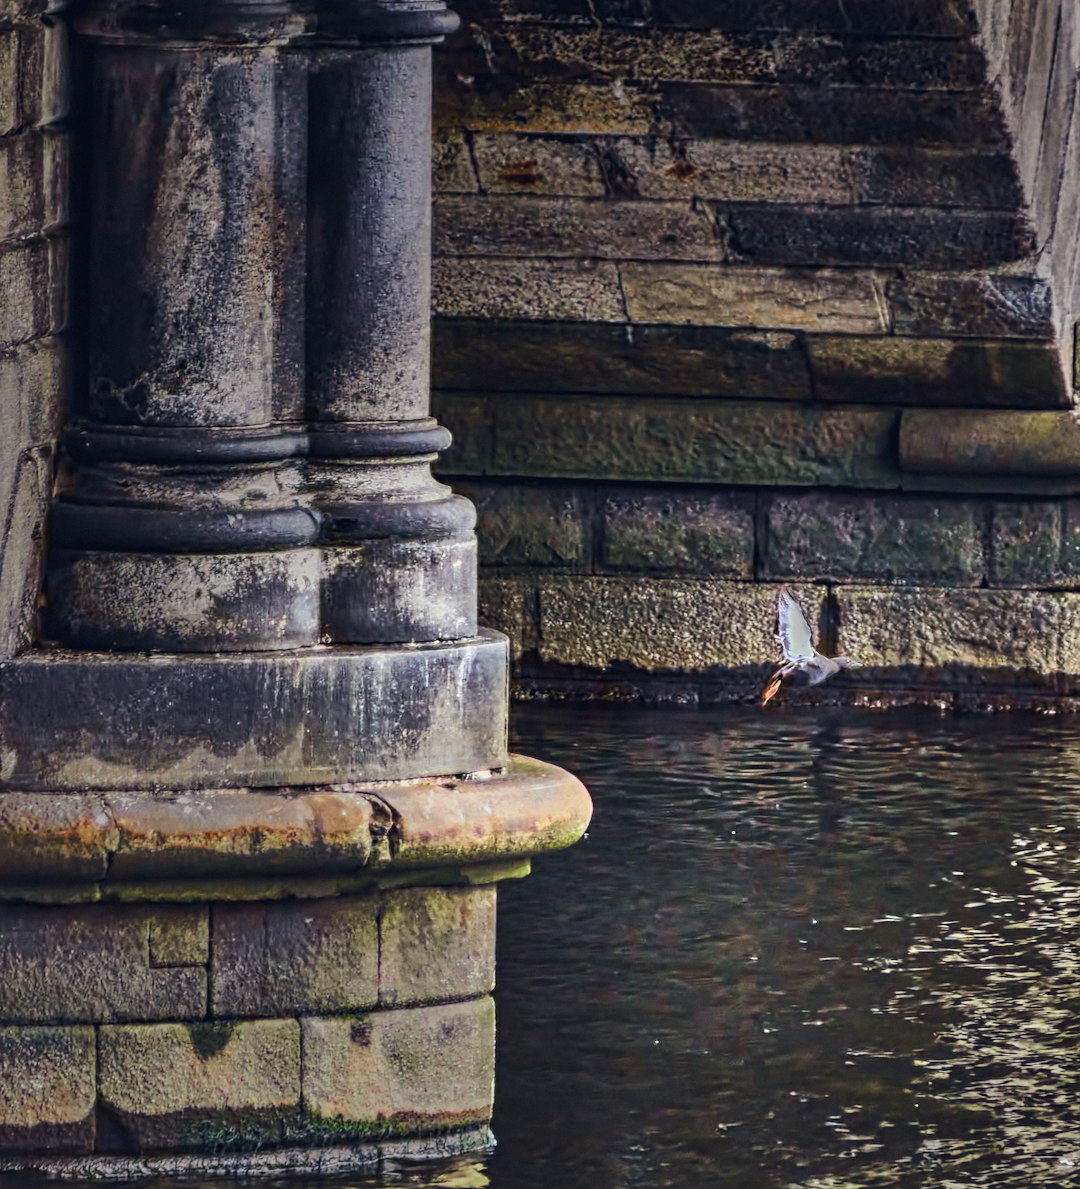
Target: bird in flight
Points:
x,y
796,641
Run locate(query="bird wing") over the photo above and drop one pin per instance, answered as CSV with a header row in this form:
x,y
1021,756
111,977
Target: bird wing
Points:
x,y
796,639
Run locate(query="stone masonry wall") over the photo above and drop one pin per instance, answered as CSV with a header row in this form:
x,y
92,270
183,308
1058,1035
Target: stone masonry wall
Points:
x,y
732,294
35,151
135,1032
1032,49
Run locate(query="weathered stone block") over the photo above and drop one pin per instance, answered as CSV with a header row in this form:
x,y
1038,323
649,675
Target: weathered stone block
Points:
x,y
933,628
21,189
284,958
596,357
54,98
175,601
732,171
469,420
943,18
10,67
607,107
523,225
61,838
215,1086
767,233
394,1072
48,1089
436,944
24,283
84,964
829,115
451,167
22,560
660,625
520,51
706,535
938,372
302,718
1036,543
1026,543
1068,659
508,606
520,164
180,936
892,539
999,444
524,50
522,524
909,176
921,64
32,378
938,304
565,290
783,299
694,441
57,153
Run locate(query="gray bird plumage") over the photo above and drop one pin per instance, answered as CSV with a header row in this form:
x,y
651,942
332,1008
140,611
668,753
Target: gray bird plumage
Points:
x,y
796,641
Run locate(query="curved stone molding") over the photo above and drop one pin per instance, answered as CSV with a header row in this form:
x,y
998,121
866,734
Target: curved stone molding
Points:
x,y
103,839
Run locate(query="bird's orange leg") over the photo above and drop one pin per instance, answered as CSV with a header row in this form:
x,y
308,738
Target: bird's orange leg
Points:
x,y
770,690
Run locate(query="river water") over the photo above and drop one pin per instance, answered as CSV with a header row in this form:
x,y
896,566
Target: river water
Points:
x,y
813,949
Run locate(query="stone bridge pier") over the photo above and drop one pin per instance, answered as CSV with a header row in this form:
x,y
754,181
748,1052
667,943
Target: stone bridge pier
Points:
x,y
255,795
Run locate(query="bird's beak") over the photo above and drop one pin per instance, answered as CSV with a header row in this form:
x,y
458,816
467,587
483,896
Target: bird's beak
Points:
x,y
770,691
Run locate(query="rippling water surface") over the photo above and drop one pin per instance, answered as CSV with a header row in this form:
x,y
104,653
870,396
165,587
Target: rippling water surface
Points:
x,y
815,949
806,949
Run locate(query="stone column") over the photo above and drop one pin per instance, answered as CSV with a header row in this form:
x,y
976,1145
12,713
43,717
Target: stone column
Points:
x,y
400,561
254,787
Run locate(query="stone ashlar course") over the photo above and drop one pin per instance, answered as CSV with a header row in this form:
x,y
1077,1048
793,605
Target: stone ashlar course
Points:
x,y
395,1072
703,534
748,233
282,959
549,357
686,441
658,625
860,538
49,1089
196,1085
90,964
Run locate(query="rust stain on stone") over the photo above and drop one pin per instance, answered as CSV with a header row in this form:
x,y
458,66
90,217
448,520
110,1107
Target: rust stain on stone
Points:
x,y
682,170
520,173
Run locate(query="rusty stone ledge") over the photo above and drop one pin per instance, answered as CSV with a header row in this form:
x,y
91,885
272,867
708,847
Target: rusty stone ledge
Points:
x,y
87,845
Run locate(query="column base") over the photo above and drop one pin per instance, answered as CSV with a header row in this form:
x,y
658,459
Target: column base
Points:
x,y
238,982
75,721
